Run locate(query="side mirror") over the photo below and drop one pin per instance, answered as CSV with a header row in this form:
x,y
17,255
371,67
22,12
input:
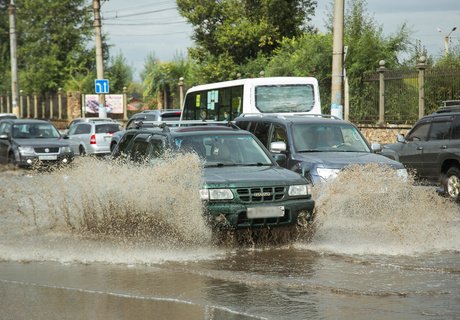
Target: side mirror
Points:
x,y
280,158
400,138
4,137
277,146
376,147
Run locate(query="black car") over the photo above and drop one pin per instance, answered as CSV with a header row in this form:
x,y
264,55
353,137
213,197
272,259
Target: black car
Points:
x,y
316,146
146,115
243,187
29,143
432,149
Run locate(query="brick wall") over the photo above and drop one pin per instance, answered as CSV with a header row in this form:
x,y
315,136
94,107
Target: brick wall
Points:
x,y
383,134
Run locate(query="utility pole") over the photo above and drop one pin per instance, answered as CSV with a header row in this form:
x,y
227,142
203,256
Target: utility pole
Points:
x,y
337,60
13,58
99,56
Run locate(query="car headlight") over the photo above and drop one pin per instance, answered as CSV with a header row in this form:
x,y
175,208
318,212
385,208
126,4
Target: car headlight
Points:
x,y
216,194
298,190
26,151
326,173
66,149
402,173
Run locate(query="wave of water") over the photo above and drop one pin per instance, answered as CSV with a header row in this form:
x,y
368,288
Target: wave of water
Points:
x,y
110,212
369,210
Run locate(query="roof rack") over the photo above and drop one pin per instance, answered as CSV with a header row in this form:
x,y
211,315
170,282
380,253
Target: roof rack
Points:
x,y
286,115
179,123
449,106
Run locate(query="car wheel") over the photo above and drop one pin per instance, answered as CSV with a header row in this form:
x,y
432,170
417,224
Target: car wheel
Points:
x,y
452,183
112,146
12,161
82,150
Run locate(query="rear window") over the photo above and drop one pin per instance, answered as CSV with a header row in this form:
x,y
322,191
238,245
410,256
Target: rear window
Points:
x,y
107,128
173,116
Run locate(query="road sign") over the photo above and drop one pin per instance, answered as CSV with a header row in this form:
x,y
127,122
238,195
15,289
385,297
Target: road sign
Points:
x,y
101,85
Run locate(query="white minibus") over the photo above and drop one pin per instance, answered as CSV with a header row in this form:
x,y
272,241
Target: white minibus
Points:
x,y
227,100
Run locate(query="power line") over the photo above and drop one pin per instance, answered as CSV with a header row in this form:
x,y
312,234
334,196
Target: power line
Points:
x,y
140,13
144,23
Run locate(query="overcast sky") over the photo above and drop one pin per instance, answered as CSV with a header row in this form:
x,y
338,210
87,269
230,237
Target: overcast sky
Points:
x,y
141,27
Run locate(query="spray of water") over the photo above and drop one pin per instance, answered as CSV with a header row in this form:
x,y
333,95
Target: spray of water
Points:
x,y
368,209
96,198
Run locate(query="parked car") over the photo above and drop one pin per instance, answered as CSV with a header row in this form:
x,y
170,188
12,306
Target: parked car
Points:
x,y
92,137
7,116
78,120
28,143
243,186
316,146
146,115
432,149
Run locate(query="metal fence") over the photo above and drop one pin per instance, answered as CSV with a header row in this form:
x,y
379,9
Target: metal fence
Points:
x,y
402,94
53,106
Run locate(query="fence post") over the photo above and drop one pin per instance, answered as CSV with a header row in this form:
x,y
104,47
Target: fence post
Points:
x,y
35,105
421,66
60,103
125,104
381,70
1,104
51,106
21,103
181,92
28,105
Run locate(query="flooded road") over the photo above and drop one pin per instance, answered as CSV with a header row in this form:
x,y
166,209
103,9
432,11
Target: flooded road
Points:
x,y
100,241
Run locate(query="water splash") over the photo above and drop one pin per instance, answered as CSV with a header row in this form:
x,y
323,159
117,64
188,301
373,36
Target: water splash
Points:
x,y
369,210
96,204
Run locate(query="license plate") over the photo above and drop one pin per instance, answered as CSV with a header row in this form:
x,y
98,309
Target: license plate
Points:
x,y
265,212
50,157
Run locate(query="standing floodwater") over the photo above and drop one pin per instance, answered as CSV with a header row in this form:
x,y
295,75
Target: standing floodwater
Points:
x,y
106,241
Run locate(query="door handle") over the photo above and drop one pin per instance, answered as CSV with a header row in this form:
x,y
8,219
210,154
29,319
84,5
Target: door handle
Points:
x,y
419,148
443,147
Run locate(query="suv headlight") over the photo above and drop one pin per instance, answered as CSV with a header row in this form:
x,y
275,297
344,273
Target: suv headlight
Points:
x,y
26,151
216,194
298,190
402,173
326,173
66,149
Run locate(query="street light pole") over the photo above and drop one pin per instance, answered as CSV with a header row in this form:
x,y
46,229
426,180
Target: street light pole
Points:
x,y
99,54
446,39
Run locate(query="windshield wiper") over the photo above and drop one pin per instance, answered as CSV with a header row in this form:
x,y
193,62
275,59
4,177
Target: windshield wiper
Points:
x,y
258,164
311,150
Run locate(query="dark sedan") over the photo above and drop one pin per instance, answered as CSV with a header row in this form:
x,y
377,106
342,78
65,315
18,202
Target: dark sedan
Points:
x,y
28,143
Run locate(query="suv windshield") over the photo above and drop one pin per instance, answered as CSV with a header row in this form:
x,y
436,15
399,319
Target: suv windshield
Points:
x,y
284,98
28,131
327,137
217,150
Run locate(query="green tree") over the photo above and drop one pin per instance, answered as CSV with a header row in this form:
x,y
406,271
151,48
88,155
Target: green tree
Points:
x,y
229,34
119,73
53,42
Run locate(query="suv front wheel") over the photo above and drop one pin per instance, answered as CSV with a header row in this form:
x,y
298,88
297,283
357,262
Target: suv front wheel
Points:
x,y
452,183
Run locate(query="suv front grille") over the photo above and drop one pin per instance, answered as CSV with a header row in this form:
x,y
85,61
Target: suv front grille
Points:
x,y
259,195
50,150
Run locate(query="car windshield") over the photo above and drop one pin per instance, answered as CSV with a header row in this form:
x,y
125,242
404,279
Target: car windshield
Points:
x,y
328,138
107,128
225,149
35,130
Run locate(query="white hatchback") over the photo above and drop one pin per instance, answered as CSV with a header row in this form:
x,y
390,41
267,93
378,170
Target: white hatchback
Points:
x,y
92,137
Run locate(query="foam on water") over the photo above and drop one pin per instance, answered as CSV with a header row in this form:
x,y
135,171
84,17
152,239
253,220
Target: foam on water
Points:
x,y
369,210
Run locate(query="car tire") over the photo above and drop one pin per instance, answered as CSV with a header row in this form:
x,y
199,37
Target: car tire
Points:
x,y
112,146
12,161
82,151
451,183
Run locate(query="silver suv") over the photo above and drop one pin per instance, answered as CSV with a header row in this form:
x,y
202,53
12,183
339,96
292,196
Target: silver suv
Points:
x,y
92,137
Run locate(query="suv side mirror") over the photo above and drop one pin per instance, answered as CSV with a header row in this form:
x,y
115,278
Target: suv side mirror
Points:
x,y
277,146
4,137
400,138
376,147
280,158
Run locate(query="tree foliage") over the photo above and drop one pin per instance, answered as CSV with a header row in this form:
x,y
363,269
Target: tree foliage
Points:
x,y
230,34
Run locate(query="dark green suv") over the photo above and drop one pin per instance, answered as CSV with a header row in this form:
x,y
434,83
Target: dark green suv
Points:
x,y
432,149
243,186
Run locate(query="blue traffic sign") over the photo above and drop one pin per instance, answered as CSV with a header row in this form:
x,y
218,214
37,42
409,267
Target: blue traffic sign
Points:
x,y
101,85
